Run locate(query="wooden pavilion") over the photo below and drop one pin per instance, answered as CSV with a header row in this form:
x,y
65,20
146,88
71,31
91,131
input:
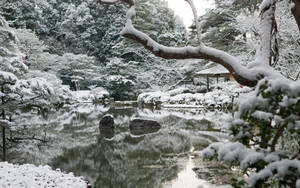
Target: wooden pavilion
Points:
x,y
215,72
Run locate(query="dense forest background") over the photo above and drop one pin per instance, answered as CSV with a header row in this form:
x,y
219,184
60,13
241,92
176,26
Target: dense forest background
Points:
x,y
79,42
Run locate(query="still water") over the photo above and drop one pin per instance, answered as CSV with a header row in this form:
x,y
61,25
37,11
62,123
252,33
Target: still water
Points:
x,y
121,158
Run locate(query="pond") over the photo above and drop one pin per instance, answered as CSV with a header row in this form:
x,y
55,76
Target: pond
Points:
x,y
123,158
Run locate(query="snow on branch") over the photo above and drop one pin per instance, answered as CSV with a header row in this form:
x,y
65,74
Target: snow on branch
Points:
x,y
7,78
191,3
281,170
244,75
235,153
267,26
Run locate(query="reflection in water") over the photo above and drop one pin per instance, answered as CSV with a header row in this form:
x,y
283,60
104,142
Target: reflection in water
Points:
x,y
122,158
187,177
107,132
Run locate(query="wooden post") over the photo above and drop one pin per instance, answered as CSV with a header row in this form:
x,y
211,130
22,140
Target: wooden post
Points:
x,y
3,138
3,127
4,143
207,83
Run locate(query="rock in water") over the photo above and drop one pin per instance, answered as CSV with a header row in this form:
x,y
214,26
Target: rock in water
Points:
x,y
107,122
142,126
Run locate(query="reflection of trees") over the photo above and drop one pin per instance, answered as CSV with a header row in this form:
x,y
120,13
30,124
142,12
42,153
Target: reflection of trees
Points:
x,y
124,162
130,161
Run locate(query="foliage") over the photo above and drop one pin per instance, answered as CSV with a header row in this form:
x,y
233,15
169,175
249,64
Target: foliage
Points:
x,y
88,34
217,28
266,128
21,88
269,119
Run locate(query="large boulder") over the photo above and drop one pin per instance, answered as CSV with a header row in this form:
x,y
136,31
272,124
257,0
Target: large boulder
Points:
x,y
143,126
107,122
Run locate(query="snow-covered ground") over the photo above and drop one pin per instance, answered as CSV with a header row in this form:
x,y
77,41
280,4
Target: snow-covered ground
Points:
x,y
222,95
30,176
95,95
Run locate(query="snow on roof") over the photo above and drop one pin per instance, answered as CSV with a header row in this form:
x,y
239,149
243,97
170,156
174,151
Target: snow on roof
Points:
x,y
219,69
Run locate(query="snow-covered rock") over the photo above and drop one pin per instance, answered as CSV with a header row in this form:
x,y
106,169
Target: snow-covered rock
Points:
x,y
153,97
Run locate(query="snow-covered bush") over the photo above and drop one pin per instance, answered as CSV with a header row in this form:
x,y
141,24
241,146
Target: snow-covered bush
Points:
x,y
98,94
60,94
270,117
21,88
153,97
222,95
266,128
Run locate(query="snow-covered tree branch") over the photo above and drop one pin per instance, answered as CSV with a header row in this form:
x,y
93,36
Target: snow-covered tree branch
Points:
x,y
244,75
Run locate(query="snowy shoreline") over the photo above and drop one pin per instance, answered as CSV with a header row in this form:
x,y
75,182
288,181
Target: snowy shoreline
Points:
x,y
28,175
222,96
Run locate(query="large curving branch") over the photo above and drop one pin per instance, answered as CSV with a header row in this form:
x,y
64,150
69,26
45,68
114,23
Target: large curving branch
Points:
x,y
247,76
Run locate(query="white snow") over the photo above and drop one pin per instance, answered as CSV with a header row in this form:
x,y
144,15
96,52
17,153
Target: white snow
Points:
x,y
98,93
219,69
30,176
281,169
233,153
82,95
179,98
266,4
88,96
292,5
7,77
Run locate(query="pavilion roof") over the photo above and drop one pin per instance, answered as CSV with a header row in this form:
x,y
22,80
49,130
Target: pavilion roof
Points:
x,y
219,69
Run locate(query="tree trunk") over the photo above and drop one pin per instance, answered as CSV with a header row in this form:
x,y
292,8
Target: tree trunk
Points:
x,y
4,144
3,138
296,12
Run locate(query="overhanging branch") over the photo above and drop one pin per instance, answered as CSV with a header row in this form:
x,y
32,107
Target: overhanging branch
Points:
x,y
244,75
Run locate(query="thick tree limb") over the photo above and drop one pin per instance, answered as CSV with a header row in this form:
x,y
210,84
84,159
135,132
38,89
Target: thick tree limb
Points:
x,y
244,75
267,14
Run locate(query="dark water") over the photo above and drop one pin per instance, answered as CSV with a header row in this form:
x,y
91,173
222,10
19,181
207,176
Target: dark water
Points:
x,y
120,158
